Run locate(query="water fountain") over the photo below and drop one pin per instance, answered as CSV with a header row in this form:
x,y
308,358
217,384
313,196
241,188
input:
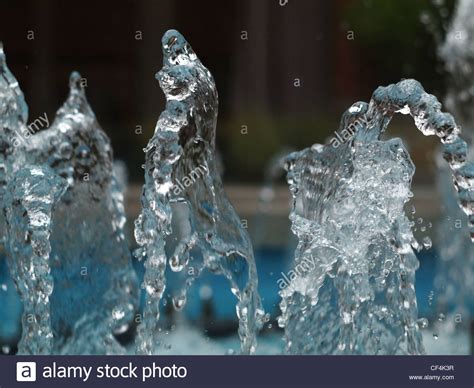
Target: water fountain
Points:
x,y
352,289
187,220
73,269
64,227
453,284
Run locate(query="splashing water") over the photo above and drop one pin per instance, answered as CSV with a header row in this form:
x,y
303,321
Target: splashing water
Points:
x,y
29,202
13,115
352,290
186,219
455,269
87,271
457,52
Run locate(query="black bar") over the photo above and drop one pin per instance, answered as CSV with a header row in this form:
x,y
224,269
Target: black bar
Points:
x,y
248,371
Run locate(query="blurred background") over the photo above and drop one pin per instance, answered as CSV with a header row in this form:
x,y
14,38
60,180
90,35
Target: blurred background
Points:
x,y
285,70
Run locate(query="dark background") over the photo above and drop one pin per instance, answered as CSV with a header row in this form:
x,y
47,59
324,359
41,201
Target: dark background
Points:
x,y
340,51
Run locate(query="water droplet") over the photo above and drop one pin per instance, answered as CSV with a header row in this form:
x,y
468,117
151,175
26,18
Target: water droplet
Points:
x,y
423,323
430,298
427,243
175,264
179,302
